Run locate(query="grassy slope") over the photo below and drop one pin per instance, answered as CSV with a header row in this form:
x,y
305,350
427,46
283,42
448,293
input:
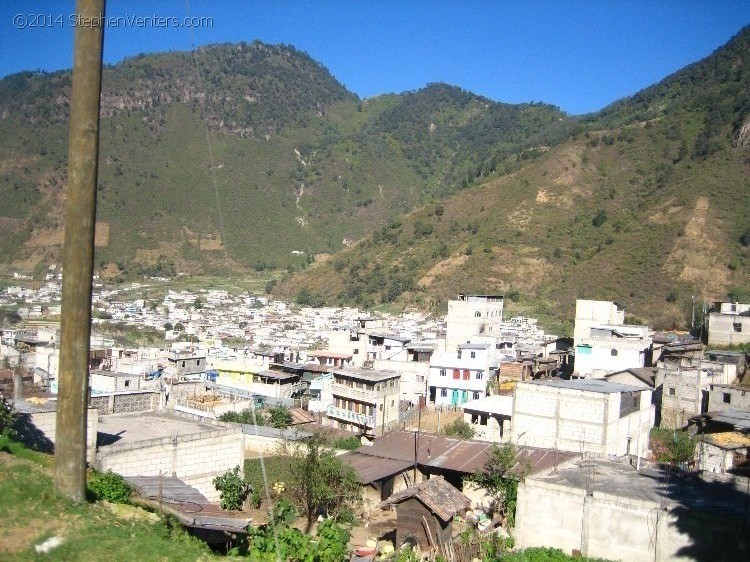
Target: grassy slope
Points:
x,y
31,513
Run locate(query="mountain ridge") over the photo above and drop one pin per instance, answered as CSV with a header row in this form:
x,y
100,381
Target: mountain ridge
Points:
x,y
646,200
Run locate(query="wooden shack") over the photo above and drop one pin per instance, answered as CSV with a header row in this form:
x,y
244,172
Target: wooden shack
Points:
x,y
425,512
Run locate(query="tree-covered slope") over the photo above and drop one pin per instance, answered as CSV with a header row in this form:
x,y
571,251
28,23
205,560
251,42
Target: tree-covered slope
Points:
x,y
238,156
645,208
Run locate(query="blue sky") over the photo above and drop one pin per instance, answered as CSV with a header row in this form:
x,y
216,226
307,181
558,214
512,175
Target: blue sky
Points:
x,y
578,55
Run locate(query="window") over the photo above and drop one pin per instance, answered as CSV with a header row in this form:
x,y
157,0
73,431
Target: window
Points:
x,y
726,398
613,353
198,362
737,327
442,372
476,397
387,347
356,351
456,374
473,354
127,384
443,392
477,314
467,375
183,364
392,403
671,391
498,346
479,375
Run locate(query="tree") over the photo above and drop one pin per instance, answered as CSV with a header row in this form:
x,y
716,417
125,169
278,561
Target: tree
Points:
x,y
672,446
245,416
168,326
179,326
599,218
322,484
500,476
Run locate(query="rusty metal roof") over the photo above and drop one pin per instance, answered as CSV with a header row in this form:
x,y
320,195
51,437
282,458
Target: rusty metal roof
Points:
x,y
460,455
370,468
439,496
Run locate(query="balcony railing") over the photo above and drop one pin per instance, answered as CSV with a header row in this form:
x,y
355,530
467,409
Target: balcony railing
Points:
x,y
359,394
348,415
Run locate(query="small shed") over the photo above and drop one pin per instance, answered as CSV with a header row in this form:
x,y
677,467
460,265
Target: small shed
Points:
x,y
425,512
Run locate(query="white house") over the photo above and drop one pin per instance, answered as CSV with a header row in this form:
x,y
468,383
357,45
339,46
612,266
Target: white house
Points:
x,y
594,313
611,348
459,376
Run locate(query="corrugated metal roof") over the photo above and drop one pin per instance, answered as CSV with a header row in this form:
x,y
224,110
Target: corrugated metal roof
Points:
x,y
190,506
588,385
459,455
371,468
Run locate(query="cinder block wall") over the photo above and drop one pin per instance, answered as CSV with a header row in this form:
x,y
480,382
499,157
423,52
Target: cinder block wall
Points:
x,y
196,459
46,424
620,528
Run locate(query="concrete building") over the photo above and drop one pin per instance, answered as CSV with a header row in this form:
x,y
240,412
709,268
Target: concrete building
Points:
x,y
151,443
685,382
725,396
187,362
364,400
730,324
583,415
473,315
595,313
610,348
609,510
460,376
109,381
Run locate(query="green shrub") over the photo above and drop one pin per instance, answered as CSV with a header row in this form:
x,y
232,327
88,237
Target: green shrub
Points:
x,y
233,490
109,486
7,417
460,429
349,443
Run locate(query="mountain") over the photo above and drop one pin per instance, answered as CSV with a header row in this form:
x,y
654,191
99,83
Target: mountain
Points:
x,y
646,202
253,156
242,156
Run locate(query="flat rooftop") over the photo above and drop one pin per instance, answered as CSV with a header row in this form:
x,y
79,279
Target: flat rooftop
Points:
x,y
370,375
589,385
653,483
144,426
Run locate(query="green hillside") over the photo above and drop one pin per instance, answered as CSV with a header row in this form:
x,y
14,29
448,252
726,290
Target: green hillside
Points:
x,y
253,156
241,156
647,203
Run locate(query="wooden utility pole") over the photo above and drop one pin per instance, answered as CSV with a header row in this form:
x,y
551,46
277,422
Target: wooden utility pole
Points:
x,y
78,252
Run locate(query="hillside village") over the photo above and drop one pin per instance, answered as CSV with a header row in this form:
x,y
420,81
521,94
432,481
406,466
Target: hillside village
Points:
x,y
579,412
452,437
